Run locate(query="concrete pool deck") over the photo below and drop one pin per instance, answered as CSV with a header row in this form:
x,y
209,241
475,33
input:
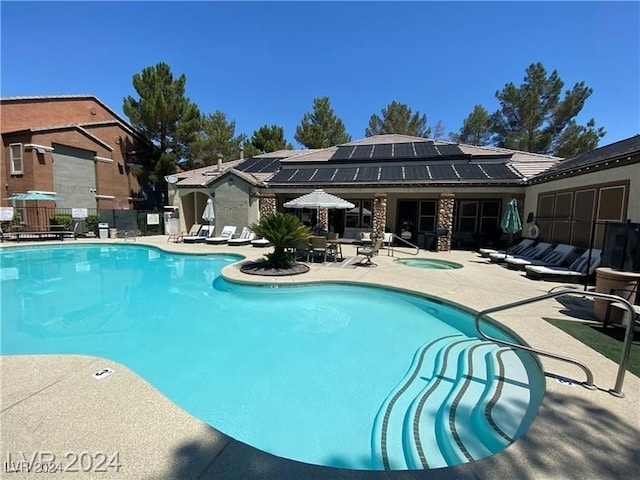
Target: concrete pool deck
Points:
x,y
52,407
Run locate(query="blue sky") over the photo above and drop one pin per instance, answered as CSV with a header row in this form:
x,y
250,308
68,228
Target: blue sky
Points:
x,y
264,62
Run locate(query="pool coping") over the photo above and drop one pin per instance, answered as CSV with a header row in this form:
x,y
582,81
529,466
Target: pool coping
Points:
x,y
52,403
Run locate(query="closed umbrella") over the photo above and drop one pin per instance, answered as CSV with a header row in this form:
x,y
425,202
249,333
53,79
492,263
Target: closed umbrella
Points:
x,y
511,219
208,215
511,223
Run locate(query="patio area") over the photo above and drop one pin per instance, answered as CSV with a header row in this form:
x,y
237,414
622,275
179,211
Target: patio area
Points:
x,y
51,405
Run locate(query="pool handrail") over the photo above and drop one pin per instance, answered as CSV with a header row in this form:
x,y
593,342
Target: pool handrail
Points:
x,y
617,389
397,237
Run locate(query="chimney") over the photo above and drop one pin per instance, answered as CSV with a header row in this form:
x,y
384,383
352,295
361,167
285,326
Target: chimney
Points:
x,y
219,162
241,152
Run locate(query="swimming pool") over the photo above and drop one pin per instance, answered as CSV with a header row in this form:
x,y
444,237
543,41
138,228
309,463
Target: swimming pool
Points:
x,y
429,263
338,375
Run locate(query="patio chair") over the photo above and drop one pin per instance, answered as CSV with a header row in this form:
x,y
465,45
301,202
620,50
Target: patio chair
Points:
x,y
576,271
302,249
554,258
224,237
516,249
203,233
369,251
244,239
537,251
319,246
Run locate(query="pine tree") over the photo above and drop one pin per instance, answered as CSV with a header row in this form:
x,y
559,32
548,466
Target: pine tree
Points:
x,y
321,128
167,119
216,138
399,119
270,139
476,129
533,117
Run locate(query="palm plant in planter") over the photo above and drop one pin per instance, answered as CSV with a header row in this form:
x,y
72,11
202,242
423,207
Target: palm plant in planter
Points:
x,y
283,231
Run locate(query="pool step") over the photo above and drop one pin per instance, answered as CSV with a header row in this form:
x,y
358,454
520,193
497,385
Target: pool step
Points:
x,y
454,405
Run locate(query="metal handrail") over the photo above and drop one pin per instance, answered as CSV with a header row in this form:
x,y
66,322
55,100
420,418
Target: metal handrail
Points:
x,y
394,237
617,390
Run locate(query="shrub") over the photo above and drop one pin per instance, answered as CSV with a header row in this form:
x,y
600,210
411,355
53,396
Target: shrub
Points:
x,y
63,219
283,231
91,223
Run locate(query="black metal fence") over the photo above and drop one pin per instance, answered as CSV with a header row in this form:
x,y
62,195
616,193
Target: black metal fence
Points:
x,y
142,222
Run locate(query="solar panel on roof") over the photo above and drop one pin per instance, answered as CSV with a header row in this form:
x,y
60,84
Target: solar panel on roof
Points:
x,y
449,150
470,172
362,152
391,173
272,166
368,174
248,163
257,165
342,153
384,150
416,172
324,174
283,175
303,175
425,150
442,172
499,171
345,174
403,150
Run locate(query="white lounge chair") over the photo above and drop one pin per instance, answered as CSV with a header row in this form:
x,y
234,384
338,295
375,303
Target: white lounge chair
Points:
x,y
260,243
554,258
537,251
516,249
204,232
580,268
224,237
244,239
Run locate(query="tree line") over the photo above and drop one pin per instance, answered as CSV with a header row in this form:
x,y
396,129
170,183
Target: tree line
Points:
x,y
535,116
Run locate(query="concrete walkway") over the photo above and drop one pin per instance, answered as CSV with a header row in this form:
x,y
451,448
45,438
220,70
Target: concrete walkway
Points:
x,y
52,408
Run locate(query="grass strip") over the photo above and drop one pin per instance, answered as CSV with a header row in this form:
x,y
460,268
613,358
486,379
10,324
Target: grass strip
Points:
x,y
608,342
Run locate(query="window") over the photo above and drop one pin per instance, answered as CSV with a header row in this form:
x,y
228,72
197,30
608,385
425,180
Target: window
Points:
x,y
427,219
15,156
468,216
490,216
360,216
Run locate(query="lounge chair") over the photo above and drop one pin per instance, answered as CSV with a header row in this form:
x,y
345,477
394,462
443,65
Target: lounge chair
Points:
x,y
516,249
537,251
554,258
200,237
244,239
260,243
224,237
577,270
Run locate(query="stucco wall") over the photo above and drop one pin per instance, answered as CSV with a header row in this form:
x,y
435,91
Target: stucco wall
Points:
x,y
232,203
74,178
626,173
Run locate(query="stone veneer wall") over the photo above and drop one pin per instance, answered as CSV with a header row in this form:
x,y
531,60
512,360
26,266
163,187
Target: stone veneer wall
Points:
x,y
268,204
323,217
379,212
445,220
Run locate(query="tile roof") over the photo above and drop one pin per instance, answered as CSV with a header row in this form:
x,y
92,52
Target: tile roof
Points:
x,y
623,149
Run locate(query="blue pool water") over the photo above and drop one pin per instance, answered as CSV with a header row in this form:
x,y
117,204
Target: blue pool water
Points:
x,y
429,263
328,374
